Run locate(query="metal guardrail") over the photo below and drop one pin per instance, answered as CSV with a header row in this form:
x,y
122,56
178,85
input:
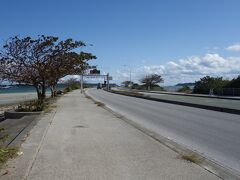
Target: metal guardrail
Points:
x,y
229,92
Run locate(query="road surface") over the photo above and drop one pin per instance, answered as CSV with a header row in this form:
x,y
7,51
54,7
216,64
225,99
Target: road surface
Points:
x,y
214,134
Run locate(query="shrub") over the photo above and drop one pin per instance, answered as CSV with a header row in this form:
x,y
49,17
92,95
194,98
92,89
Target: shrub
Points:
x,y
67,89
31,106
234,83
185,89
206,83
5,153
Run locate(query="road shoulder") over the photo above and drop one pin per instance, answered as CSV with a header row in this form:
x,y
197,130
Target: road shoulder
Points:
x,y
18,167
85,141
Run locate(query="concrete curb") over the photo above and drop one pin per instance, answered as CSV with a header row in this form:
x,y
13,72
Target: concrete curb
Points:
x,y
206,163
191,95
220,109
12,114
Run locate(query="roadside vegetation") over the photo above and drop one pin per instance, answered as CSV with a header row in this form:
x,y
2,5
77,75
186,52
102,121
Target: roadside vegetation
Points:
x,y
192,157
218,85
206,85
5,152
72,84
185,89
149,82
41,62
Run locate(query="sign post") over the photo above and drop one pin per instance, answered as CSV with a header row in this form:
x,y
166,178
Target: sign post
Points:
x,y
107,81
82,83
94,73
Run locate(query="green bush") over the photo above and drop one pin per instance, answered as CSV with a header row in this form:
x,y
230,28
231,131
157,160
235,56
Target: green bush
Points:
x,y
206,83
67,89
234,83
75,86
185,89
31,106
5,152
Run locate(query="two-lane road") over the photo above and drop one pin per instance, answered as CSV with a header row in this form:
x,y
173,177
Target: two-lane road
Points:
x,y
215,134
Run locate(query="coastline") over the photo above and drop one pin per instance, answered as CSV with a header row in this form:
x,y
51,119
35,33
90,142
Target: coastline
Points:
x,y
8,100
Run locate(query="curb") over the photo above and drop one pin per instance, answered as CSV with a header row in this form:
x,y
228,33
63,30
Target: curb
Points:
x,y
206,163
191,95
213,108
12,114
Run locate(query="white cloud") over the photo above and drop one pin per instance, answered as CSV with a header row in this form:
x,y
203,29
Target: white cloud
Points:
x,y
235,47
212,49
188,69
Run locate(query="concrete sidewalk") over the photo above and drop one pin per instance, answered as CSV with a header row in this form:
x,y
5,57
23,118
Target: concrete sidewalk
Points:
x,y
84,141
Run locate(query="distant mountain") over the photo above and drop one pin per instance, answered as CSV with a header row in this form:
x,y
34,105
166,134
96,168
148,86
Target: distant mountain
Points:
x,y
185,84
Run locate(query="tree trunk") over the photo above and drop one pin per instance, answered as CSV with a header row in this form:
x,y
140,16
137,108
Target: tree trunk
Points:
x,y
53,91
38,92
43,93
149,87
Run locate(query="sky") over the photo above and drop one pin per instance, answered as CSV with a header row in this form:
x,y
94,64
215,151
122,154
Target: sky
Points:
x,y
182,40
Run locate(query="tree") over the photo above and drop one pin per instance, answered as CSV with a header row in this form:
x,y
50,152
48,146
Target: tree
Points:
x,y
127,83
40,62
135,86
72,83
65,64
150,80
185,89
206,83
24,61
234,83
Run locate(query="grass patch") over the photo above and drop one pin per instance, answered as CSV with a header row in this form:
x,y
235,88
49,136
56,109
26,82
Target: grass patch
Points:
x,y
99,104
67,90
135,94
30,106
49,108
88,97
193,158
37,106
7,153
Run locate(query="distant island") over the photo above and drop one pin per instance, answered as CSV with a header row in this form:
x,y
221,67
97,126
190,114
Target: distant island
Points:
x,y
185,84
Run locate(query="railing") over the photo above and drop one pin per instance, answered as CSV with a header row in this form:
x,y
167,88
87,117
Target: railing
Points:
x,y
229,92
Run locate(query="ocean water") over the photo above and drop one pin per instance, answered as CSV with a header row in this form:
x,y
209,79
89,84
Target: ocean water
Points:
x,y
25,89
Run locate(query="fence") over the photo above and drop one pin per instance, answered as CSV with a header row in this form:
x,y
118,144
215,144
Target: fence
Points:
x,y
228,92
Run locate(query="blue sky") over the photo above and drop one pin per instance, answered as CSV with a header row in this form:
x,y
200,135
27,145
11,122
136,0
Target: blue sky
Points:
x,y
182,40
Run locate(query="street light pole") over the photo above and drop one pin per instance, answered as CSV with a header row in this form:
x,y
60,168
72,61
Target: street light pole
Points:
x,y
130,74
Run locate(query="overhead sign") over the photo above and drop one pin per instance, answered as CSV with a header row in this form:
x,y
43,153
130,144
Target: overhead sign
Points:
x,y
94,71
93,76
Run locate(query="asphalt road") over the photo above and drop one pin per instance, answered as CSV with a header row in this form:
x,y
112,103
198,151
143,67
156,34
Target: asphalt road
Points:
x,y
214,134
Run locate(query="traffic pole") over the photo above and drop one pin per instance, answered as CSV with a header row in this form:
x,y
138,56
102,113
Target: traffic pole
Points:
x,y
82,83
108,81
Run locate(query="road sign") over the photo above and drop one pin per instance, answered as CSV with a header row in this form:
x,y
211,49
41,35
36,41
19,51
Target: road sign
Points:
x,y
110,78
94,71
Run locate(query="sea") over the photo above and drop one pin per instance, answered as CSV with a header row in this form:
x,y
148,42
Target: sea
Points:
x,y
24,89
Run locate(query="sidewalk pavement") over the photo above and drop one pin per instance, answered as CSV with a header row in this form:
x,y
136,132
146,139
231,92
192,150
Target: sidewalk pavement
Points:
x,y
85,141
